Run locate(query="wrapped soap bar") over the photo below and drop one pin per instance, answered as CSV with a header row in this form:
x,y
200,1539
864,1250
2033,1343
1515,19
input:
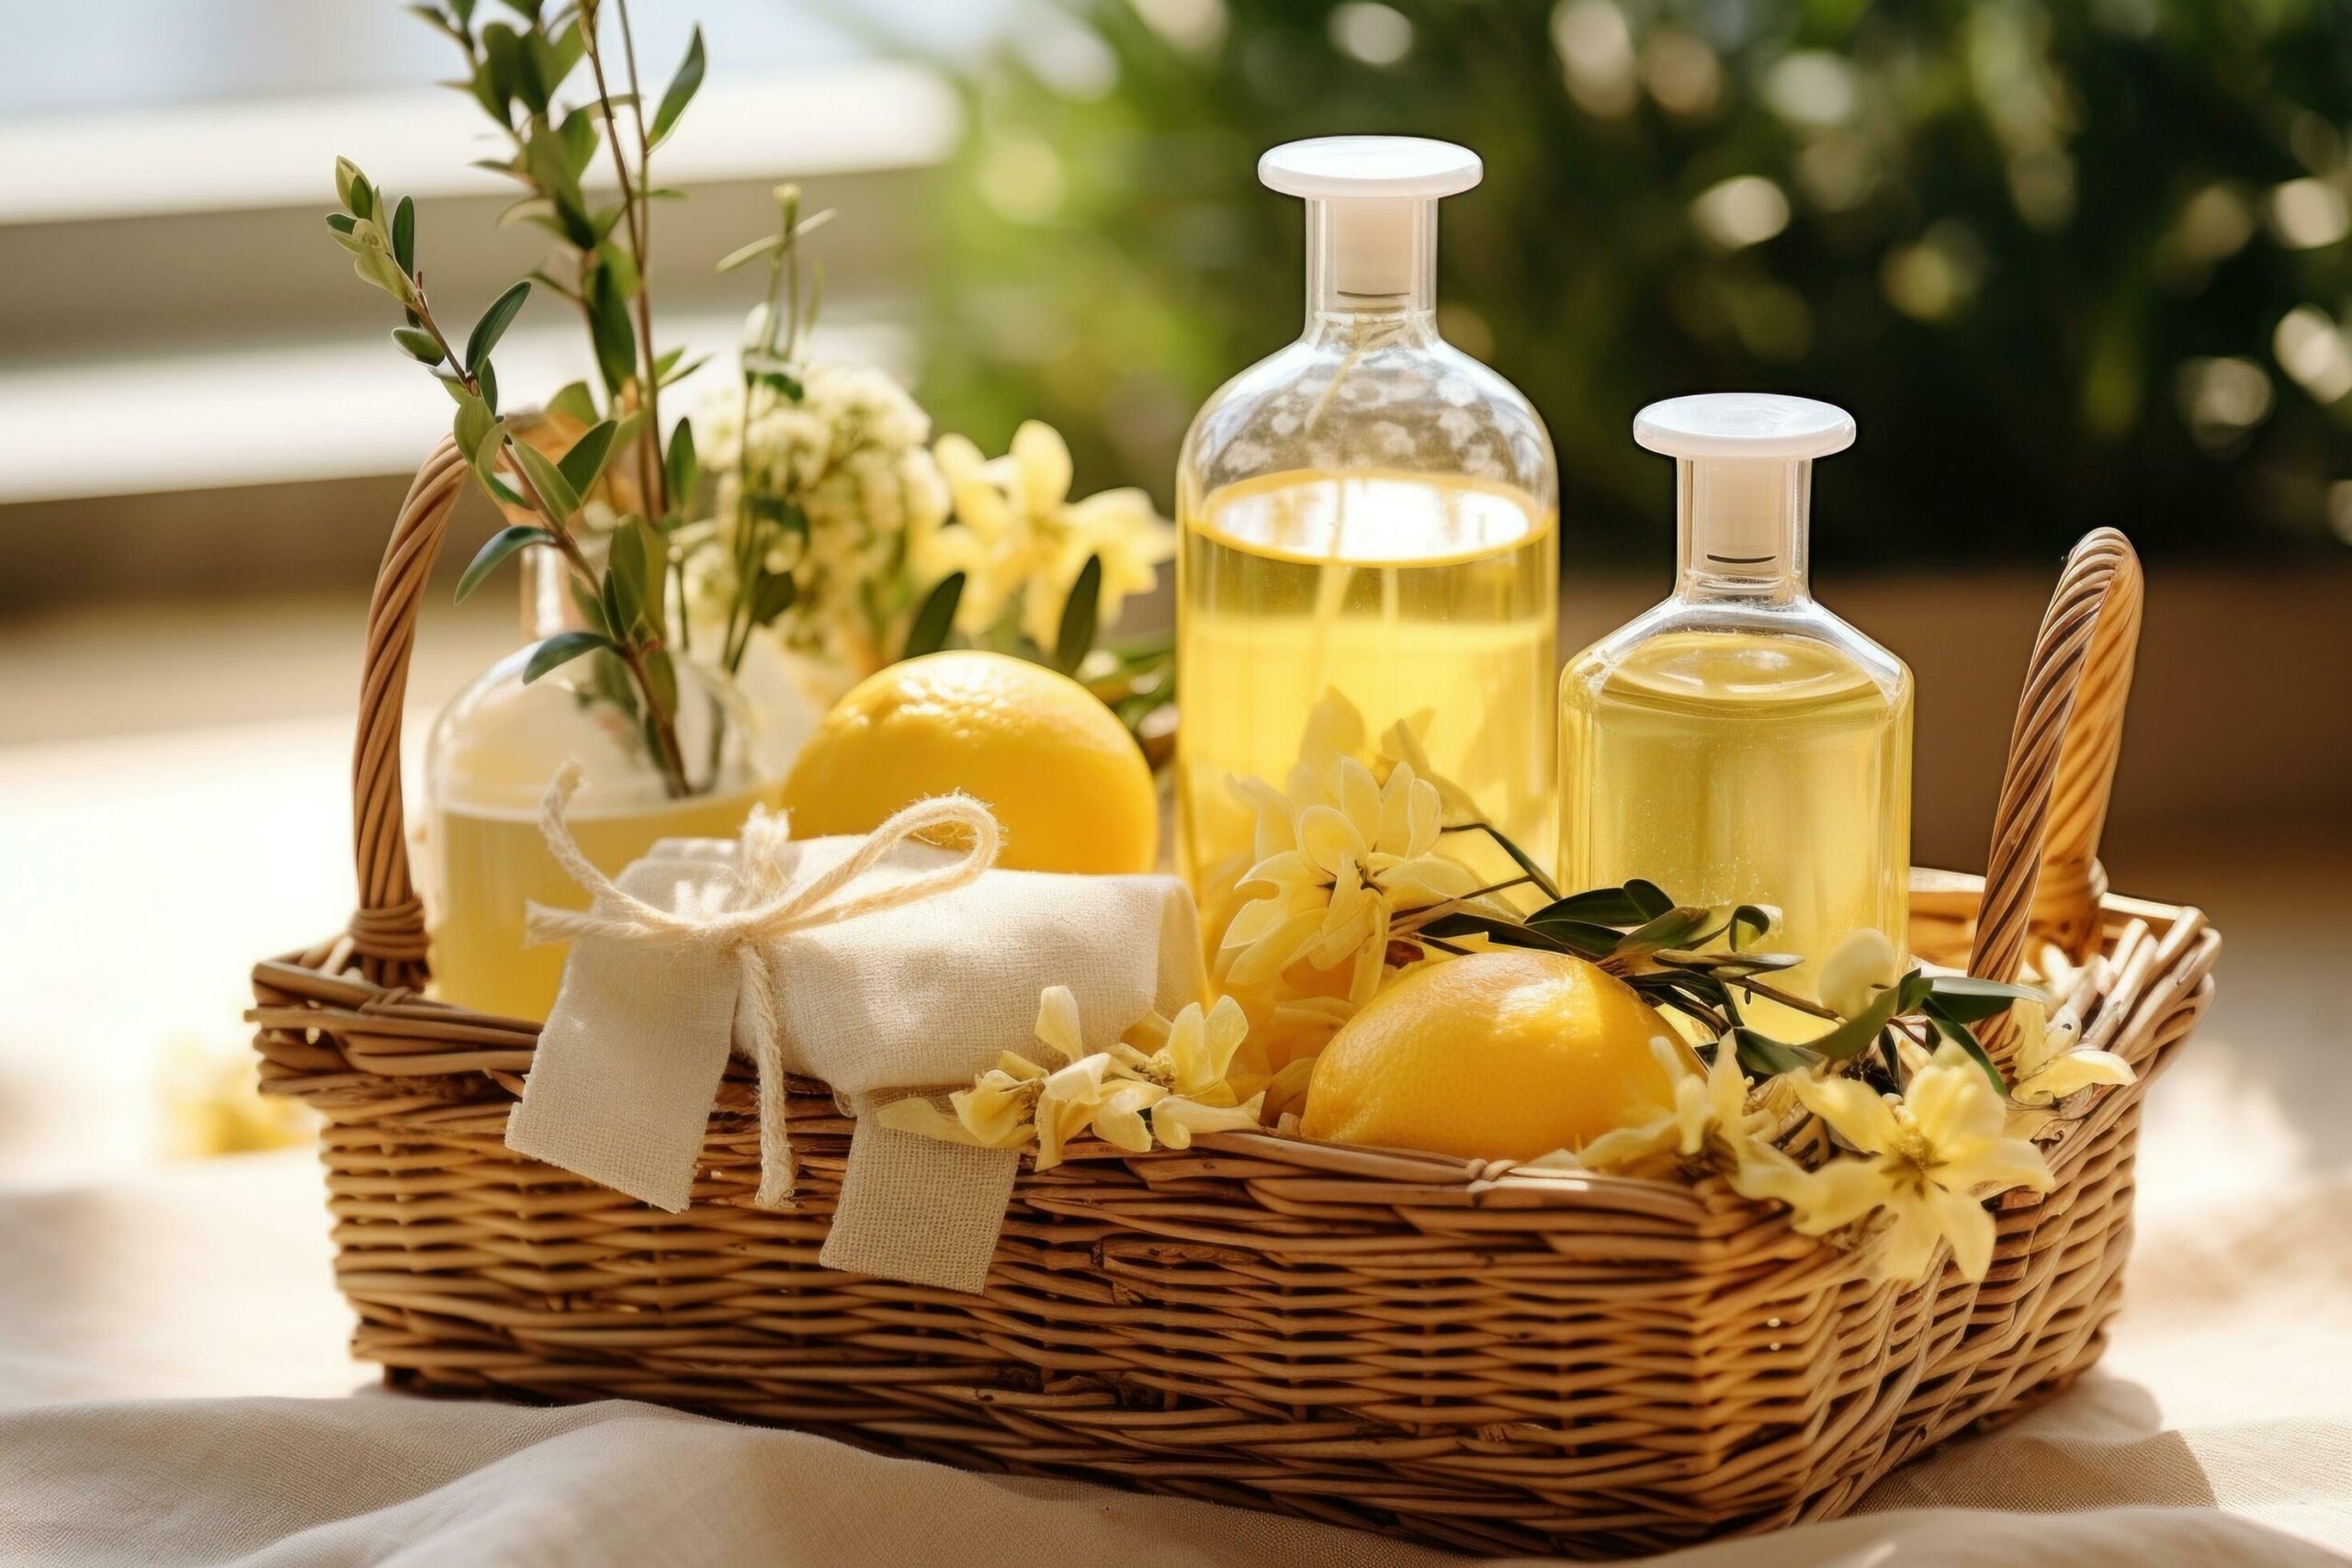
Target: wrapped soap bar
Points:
x,y
880,966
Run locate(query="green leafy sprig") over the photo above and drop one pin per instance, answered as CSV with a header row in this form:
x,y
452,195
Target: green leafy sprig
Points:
x,y
765,519
515,71
624,603
1704,964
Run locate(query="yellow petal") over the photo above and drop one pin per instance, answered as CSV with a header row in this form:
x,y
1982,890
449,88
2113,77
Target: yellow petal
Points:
x,y
1330,839
1118,1120
1276,950
1853,1109
1360,803
1058,1022
1908,1245
1855,971
1042,460
1822,1200
2070,1073
1178,1120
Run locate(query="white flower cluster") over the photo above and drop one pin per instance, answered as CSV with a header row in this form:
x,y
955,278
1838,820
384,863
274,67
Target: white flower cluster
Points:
x,y
850,453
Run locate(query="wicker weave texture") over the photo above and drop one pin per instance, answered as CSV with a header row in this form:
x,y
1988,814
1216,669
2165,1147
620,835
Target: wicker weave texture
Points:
x,y
1483,1357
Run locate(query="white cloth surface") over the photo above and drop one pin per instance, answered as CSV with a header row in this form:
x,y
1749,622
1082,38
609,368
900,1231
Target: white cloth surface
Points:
x,y
174,1389
630,1059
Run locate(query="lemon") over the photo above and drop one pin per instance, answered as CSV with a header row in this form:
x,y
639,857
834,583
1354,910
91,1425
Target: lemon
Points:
x,y
1063,777
1504,1055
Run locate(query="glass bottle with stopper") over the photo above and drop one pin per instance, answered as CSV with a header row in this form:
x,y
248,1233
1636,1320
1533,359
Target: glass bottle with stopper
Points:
x,y
1738,743
1367,515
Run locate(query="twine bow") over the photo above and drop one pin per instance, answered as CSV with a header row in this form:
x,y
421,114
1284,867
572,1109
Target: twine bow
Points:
x,y
765,905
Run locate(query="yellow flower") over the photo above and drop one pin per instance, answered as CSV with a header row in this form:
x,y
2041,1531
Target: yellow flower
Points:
x,y
2050,1066
1928,1159
1016,531
1178,1121
1855,971
1339,869
1128,1096
1710,1116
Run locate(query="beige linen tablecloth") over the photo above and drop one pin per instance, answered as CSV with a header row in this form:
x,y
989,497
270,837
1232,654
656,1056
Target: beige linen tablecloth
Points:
x,y
174,1388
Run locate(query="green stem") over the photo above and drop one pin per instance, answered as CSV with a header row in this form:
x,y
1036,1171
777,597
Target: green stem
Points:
x,y
631,653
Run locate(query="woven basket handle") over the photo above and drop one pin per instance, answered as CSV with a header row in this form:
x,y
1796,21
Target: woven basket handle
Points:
x,y
2043,877
388,928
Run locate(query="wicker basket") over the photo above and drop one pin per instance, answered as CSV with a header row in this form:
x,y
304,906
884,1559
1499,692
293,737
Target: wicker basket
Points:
x,y
1480,1357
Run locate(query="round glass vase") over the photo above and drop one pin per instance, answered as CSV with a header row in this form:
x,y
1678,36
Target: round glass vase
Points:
x,y
488,763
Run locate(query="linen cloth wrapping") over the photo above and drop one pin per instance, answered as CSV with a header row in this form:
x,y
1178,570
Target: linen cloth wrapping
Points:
x,y
916,998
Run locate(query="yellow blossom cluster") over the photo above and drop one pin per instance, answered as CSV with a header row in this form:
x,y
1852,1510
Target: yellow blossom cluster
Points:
x,y
1017,534
1165,1082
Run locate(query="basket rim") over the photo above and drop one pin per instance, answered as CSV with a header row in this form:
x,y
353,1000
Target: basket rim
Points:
x,y
403,1038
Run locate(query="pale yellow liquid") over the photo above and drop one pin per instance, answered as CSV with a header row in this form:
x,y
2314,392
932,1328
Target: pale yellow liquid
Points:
x,y
493,862
1415,596
1734,768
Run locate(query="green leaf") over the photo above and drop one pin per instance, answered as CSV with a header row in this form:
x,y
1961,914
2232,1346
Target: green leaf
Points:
x,y
1750,922
493,324
1648,898
547,479
486,377
1680,926
1853,1037
585,462
577,137
662,676
570,45
609,329
627,582
347,179
675,372
655,547
777,592
1959,1034
928,633
1510,933
341,222
575,401
750,253
405,234
682,466
418,344
1601,906
560,650
472,425
681,91
1967,1000
1765,1058
1079,622
1587,937
503,543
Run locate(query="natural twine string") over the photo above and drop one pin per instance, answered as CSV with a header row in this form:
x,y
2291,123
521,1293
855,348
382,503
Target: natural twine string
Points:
x,y
766,906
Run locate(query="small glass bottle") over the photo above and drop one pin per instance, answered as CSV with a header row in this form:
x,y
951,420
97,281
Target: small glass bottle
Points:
x,y
488,762
1738,743
1369,511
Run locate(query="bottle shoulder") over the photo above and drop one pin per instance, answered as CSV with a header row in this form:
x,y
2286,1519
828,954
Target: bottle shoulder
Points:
x,y
1742,648
1330,403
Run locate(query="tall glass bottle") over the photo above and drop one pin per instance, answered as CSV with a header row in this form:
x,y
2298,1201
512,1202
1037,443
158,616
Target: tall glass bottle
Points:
x,y
1739,743
1370,513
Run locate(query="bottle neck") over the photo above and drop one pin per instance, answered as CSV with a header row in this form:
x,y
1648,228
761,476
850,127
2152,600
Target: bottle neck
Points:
x,y
1370,262
1741,528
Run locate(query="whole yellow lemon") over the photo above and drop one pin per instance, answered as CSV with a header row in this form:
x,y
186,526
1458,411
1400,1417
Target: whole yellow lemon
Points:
x,y
1061,773
1504,1055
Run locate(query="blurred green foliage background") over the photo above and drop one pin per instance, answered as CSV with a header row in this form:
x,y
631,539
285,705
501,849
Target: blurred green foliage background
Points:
x,y
2068,263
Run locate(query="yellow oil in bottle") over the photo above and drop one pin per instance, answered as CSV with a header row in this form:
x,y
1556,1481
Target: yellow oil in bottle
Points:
x,y
492,862
1739,767
1417,597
